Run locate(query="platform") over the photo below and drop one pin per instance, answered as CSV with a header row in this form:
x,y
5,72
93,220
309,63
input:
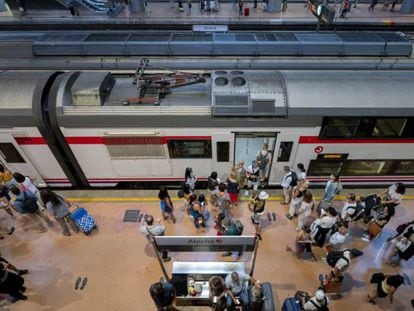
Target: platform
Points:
x,y
120,265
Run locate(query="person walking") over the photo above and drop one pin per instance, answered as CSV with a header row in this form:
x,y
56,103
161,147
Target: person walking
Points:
x,y
289,180
26,203
163,294
297,199
150,229
190,178
241,4
385,286
346,7
264,158
5,200
233,188
257,206
58,207
372,5
305,208
70,4
303,243
166,204
252,174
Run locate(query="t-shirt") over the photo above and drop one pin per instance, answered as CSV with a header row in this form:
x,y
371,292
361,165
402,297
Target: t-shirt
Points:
x,y
237,287
220,198
394,195
287,179
327,221
309,306
342,265
253,173
155,229
305,209
28,185
337,240
349,208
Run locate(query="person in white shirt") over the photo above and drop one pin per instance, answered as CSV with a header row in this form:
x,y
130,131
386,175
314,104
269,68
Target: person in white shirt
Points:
x,y
286,185
349,208
394,194
327,221
301,173
337,240
25,183
263,158
253,180
317,302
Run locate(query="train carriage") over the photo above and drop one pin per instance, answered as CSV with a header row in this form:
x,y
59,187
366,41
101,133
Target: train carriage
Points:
x,y
82,133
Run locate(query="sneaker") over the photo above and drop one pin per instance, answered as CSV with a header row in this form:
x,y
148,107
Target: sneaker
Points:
x,y
289,217
11,230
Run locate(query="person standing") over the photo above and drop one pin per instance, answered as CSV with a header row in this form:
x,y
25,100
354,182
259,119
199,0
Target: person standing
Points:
x,y
346,8
326,222
237,286
252,174
296,202
58,207
233,188
386,285
264,158
284,5
372,5
166,204
217,291
5,200
301,173
26,203
289,180
333,187
241,4
151,229
70,4
257,206
303,244
190,178
305,208
163,294
241,174
221,200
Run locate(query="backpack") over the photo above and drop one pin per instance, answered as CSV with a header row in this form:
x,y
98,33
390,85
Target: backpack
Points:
x,y
324,307
377,278
294,180
29,203
235,228
262,159
334,256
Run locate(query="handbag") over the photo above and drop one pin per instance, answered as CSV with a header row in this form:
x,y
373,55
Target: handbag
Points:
x,y
374,229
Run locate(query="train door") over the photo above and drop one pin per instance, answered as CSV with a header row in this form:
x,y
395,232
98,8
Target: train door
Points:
x,y
222,147
14,158
247,146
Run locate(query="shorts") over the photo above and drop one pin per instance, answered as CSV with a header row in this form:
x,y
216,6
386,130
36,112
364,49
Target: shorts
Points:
x,y
234,197
254,184
256,217
164,207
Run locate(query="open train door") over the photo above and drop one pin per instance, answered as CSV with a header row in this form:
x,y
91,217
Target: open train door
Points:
x,y
248,145
13,157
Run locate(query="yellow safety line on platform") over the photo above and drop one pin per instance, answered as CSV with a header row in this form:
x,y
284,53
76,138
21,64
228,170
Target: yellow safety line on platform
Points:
x,y
154,199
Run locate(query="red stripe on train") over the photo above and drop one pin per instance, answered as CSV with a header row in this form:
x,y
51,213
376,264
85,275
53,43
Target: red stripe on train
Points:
x,y
317,140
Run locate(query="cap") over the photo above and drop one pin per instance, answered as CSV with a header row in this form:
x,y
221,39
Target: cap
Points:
x,y
263,195
356,252
320,294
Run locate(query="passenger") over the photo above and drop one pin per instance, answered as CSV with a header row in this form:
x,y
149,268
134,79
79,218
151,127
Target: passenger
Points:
x,y
241,4
221,199
218,224
333,187
25,183
375,225
372,5
151,229
186,196
318,302
305,208
234,228
212,182
190,178
264,158
297,199
337,240
252,174
163,295
301,173
386,285
237,286
303,243
241,174
26,203
327,221
71,5
257,206
203,204
58,207
346,7
6,177
402,247
340,262
11,282
233,188
196,212
393,195
5,200
349,209
289,181
166,204
217,291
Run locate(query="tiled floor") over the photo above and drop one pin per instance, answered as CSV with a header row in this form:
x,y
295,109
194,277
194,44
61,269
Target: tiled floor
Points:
x,y
120,265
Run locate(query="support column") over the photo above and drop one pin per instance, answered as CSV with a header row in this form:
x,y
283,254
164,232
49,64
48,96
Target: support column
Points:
x,y
136,6
407,6
274,6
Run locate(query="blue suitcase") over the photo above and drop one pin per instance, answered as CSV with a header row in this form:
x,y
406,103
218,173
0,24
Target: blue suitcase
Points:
x,y
84,220
291,304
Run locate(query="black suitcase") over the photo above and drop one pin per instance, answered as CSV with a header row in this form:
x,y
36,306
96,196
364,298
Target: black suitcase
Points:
x,y
372,202
264,301
291,304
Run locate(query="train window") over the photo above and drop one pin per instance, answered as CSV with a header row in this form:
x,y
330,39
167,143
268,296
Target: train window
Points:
x,y
223,151
182,149
10,153
339,127
285,150
324,168
135,147
389,127
403,167
365,167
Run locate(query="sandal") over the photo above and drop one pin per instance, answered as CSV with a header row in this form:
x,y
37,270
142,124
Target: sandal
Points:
x,y
370,300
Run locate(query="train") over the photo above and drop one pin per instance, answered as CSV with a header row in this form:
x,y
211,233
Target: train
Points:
x,y
85,129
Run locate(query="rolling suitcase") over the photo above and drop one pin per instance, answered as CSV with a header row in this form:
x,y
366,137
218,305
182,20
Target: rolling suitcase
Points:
x,y
372,202
246,11
262,300
84,220
291,304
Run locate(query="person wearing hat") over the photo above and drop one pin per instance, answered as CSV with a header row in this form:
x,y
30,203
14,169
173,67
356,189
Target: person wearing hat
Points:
x,y
257,206
343,262
318,302
386,285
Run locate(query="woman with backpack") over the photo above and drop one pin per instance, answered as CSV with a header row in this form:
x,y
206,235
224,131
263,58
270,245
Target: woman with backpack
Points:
x,y
58,207
386,285
167,208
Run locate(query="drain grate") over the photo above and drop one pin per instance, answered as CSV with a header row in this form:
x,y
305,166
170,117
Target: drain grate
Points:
x,y
131,216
